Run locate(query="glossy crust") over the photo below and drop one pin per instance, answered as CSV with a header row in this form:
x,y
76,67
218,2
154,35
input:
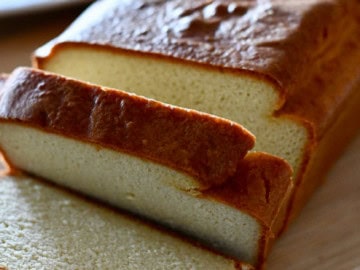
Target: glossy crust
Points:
x,y
309,50
206,147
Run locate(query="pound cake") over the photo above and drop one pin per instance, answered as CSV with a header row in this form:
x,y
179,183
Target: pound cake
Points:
x,y
287,70
124,149
45,227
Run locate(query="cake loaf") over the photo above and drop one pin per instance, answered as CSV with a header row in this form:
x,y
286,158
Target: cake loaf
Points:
x,y
125,149
289,71
43,226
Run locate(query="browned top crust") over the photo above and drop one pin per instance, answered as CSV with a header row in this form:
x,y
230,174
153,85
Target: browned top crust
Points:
x,y
206,147
297,45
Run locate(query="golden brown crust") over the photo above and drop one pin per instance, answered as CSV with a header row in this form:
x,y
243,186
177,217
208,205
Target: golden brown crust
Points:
x,y
206,147
333,75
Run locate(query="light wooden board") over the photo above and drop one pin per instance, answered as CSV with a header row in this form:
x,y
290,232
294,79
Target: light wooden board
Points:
x,y
327,233
325,236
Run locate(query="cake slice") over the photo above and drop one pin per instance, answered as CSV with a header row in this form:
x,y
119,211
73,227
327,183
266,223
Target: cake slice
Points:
x,y
289,71
206,147
43,226
101,142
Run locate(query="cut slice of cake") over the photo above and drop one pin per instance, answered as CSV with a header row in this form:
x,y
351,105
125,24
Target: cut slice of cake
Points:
x,y
101,141
206,147
43,226
289,71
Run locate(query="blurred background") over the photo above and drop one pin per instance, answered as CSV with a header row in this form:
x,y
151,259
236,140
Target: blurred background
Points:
x,y
27,24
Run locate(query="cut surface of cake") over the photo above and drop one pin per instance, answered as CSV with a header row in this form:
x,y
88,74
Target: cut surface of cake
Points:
x,y
43,226
52,127
283,69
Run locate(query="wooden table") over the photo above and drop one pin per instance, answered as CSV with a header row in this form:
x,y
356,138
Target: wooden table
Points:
x,y
327,233
325,236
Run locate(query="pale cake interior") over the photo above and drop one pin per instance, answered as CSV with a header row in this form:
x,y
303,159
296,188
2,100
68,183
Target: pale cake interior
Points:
x,y
44,227
110,176
237,97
